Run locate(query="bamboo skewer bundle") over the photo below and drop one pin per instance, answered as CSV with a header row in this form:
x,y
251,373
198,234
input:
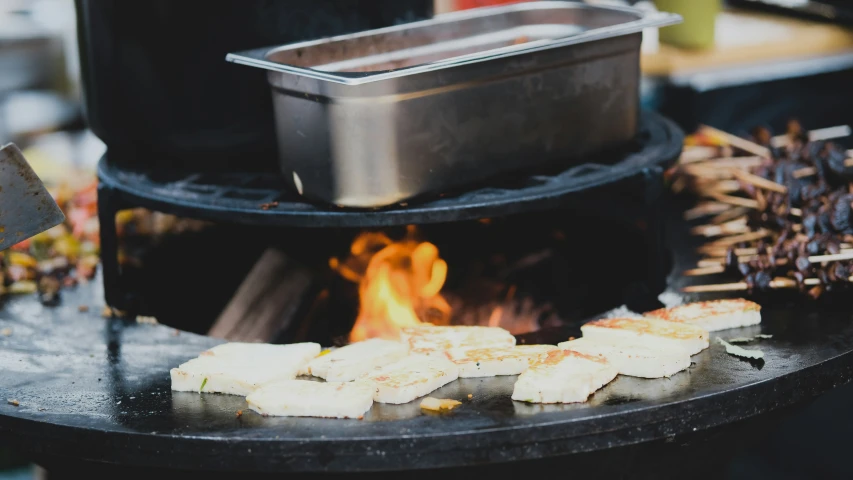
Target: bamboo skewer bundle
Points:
x,y
761,228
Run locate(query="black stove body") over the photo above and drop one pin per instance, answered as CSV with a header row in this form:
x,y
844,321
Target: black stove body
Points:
x,y
596,230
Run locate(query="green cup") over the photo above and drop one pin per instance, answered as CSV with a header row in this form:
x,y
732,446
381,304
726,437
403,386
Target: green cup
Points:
x,y
697,29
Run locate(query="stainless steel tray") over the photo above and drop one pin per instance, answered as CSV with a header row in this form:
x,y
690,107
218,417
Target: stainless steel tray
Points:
x,y
374,118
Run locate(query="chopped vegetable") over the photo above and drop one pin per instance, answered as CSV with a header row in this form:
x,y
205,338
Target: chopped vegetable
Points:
x,y
203,383
740,352
741,339
439,404
763,335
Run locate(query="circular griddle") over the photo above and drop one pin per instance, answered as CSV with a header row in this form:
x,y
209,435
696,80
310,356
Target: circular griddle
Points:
x,y
264,198
96,389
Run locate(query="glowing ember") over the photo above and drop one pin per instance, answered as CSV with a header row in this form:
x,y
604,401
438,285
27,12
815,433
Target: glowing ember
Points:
x,y
399,284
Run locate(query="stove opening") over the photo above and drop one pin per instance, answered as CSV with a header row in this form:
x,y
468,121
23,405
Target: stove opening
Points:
x,y
333,286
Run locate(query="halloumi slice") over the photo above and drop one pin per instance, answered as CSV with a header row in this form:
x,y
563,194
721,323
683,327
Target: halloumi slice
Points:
x,y
352,361
633,360
240,368
410,377
712,315
306,398
563,376
490,362
648,332
435,340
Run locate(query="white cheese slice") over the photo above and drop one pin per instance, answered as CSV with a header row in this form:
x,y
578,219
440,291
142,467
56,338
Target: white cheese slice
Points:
x,y
648,332
564,376
712,315
352,361
240,368
429,339
411,377
633,360
490,362
306,398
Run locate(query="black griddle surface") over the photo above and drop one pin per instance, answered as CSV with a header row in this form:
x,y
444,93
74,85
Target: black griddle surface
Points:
x,y
97,389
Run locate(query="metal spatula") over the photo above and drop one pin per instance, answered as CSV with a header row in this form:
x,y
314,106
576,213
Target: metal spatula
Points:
x,y
26,207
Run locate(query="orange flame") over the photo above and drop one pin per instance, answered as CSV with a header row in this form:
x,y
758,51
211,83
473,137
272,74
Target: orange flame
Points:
x,y
399,282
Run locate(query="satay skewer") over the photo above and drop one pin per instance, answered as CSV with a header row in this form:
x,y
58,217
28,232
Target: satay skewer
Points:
x,y
738,142
817,135
759,182
778,282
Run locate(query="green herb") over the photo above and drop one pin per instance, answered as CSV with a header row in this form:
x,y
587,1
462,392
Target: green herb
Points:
x,y
741,340
203,383
740,352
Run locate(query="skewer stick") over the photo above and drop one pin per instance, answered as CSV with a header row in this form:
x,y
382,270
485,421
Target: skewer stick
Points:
x,y
705,208
732,200
744,237
734,226
760,182
840,131
778,282
737,162
728,215
804,172
739,142
696,272
831,258
697,154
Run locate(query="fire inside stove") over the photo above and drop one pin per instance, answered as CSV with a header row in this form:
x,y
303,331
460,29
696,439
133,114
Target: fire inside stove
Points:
x,y
399,284
520,273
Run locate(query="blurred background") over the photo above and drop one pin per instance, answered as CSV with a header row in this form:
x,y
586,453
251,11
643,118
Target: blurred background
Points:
x,y
733,65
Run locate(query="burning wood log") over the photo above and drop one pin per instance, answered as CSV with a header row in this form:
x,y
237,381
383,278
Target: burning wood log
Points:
x,y
267,302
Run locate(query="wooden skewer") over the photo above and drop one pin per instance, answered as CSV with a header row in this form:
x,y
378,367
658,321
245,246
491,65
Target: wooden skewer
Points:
x,y
728,215
705,208
711,250
739,142
736,162
840,131
831,258
760,182
744,237
734,226
804,172
706,172
697,154
710,266
778,282
732,200
809,171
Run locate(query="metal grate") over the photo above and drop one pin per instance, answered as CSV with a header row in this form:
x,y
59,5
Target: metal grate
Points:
x,y
249,198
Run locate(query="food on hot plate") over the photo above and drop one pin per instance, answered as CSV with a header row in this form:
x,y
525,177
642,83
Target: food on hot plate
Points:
x,y
782,210
435,340
240,368
633,360
439,404
354,360
740,351
306,398
713,315
563,376
490,362
410,378
649,332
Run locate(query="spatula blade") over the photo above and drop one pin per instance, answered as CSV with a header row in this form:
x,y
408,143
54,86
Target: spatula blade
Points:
x,y
26,207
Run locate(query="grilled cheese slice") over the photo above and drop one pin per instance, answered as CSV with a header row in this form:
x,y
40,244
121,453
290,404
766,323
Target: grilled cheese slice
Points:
x,y
433,340
352,361
563,376
240,368
409,378
633,360
305,398
712,315
648,332
490,362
